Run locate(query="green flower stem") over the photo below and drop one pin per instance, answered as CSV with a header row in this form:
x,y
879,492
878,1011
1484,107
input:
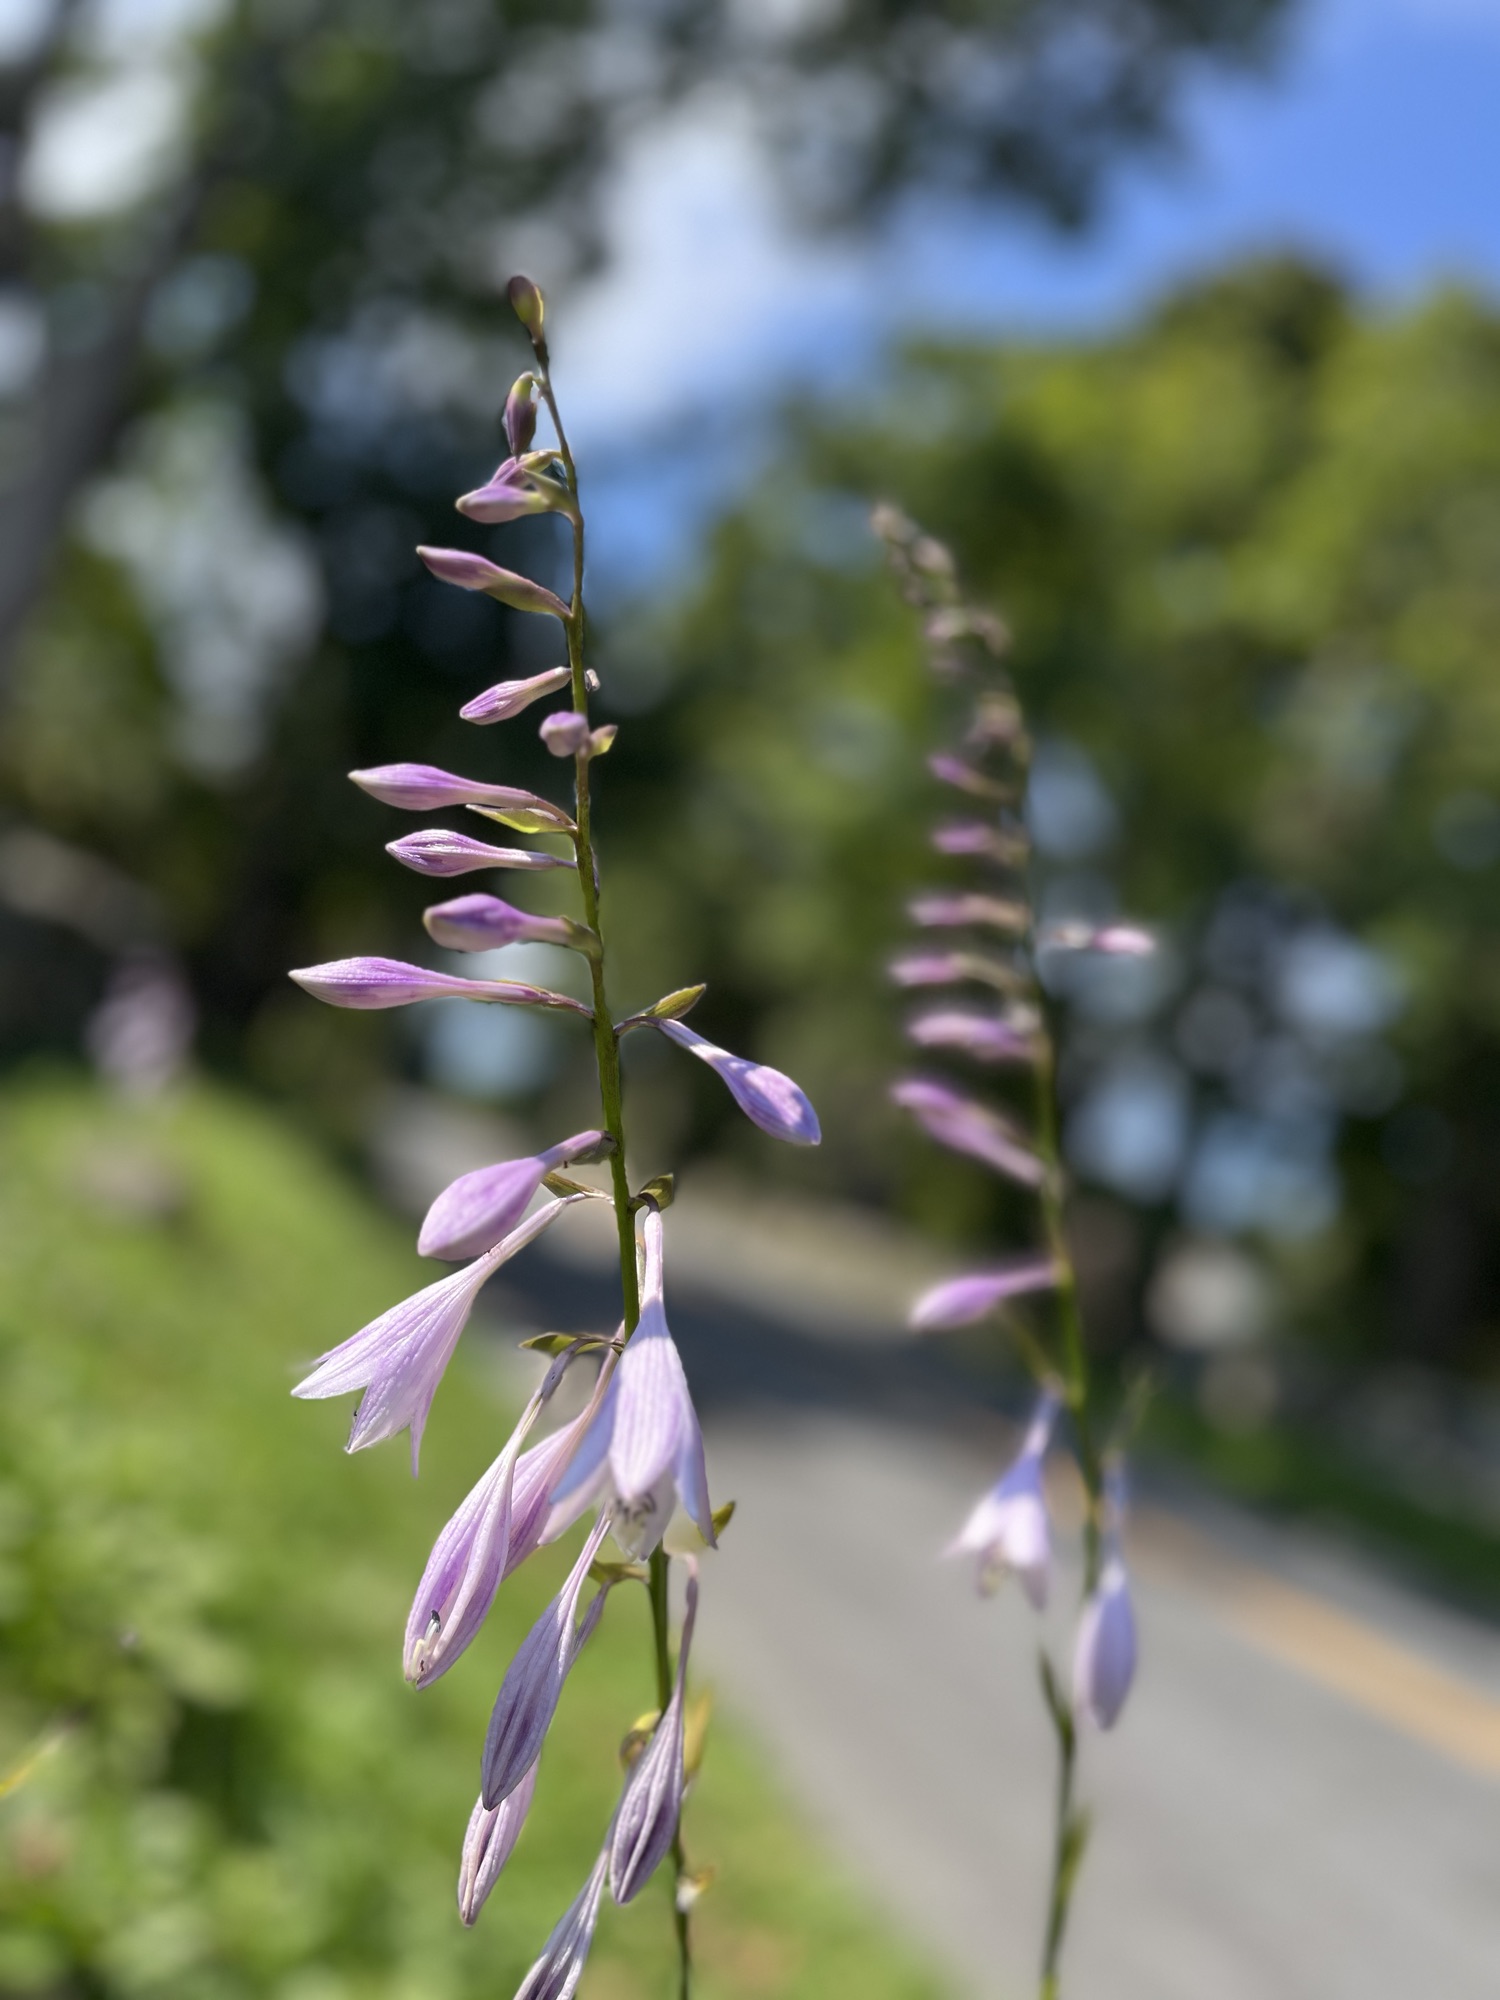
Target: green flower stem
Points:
x,y
607,1058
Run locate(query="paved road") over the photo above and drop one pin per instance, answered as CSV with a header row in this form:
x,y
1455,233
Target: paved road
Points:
x,y
1302,1801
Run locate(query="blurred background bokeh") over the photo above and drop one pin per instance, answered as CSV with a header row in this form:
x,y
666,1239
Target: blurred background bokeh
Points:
x,y
1177,319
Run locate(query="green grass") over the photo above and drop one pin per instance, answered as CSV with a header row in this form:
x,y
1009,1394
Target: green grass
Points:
x,y
201,1606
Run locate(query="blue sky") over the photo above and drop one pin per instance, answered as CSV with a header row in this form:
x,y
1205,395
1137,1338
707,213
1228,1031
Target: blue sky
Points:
x,y
1375,145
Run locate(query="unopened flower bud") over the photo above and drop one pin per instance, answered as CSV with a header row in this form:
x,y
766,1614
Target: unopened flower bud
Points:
x,y
493,1832
527,304
520,414
508,698
566,733
471,572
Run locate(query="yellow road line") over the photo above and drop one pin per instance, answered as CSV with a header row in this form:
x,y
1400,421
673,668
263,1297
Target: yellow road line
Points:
x,y
1332,1647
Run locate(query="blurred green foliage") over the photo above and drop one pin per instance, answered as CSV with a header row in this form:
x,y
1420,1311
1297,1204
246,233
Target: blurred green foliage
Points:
x,y
217,1782
1248,552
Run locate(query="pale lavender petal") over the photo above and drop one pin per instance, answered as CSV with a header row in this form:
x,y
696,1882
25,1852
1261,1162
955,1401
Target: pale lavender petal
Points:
x,y
970,1128
950,770
370,983
646,1818
946,968
1104,1654
962,1301
556,1974
436,851
1008,1037
1009,1530
977,837
964,908
398,1359
587,1473
533,1682
508,698
656,1429
1116,940
493,1532
485,923
472,572
478,1208
492,1835
767,1097
423,787
566,733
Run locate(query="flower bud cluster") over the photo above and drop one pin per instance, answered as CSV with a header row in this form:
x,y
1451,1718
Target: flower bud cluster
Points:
x,y
988,942
634,1457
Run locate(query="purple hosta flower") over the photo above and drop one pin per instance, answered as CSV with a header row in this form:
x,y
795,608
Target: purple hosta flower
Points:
x,y
767,1098
479,1208
933,911
436,851
422,788
556,1974
566,733
508,698
1009,1529
398,1359
533,1682
484,923
954,771
946,968
369,983
1118,940
962,1301
646,1817
655,1447
501,1522
471,572
645,1443
958,1122
1104,1652
1009,1037
979,838
492,1834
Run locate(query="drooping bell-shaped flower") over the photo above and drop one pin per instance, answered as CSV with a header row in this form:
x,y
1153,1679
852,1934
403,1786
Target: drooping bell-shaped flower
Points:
x,y
485,923
492,1834
372,983
472,572
424,788
437,851
645,1445
962,1301
509,698
655,1447
948,968
966,1127
556,1974
646,1817
768,1098
1104,1652
479,1208
1009,1529
499,1525
533,1682
398,1359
